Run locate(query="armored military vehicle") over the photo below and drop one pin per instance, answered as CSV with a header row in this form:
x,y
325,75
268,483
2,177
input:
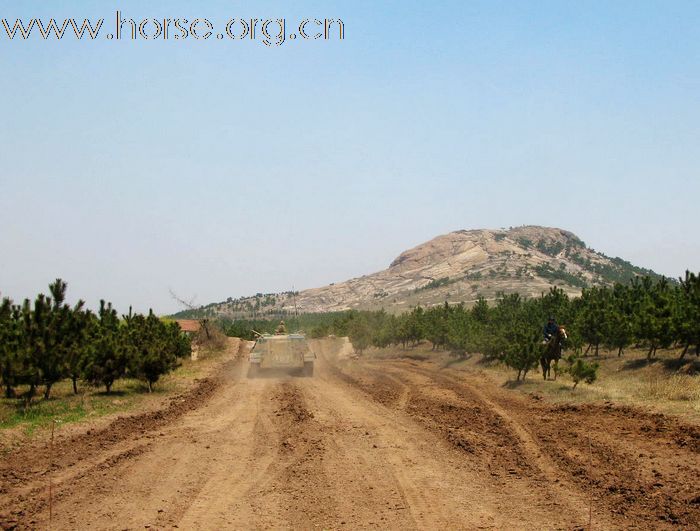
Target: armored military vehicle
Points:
x,y
289,352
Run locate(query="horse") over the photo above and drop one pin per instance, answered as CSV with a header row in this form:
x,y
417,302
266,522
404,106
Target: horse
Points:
x,y
551,351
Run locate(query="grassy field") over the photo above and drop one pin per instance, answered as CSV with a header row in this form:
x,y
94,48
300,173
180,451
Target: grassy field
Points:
x,y
64,407
663,384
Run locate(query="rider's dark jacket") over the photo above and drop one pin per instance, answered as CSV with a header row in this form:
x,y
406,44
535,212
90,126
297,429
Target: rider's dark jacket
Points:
x,y
550,329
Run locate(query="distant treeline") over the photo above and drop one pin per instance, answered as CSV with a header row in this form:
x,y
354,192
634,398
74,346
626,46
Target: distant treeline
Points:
x,y
46,341
649,312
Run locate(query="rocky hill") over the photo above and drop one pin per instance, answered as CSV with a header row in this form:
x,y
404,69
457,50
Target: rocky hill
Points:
x,y
455,267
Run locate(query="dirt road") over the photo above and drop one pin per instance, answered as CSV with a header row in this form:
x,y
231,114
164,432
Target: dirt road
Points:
x,y
394,444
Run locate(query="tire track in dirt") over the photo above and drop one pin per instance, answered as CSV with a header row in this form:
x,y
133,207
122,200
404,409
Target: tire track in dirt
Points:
x,y
391,473
641,468
661,491
236,488
301,477
473,426
25,473
649,478
371,493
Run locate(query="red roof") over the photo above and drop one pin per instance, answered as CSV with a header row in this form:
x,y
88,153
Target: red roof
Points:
x,y
188,325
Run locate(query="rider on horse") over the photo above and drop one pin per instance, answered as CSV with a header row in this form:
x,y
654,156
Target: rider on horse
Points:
x,y
552,346
550,329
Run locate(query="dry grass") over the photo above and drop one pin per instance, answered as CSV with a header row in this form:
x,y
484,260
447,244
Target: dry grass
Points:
x,y
676,387
664,383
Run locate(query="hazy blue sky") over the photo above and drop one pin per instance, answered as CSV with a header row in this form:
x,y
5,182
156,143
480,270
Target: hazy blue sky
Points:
x,y
223,168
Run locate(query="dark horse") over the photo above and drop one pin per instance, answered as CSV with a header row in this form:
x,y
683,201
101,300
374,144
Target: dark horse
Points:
x,y
551,351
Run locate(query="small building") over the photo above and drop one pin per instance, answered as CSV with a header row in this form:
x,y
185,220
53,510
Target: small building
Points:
x,y
189,326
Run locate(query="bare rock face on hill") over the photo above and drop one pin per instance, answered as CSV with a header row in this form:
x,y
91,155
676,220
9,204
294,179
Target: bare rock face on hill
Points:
x,y
455,267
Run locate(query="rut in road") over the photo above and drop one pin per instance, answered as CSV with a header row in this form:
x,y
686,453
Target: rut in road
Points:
x,y
641,469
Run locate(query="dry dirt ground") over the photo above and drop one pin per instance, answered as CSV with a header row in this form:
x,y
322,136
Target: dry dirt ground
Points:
x,y
393,444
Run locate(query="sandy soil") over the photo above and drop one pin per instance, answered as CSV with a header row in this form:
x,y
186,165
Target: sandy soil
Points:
x,y
387,444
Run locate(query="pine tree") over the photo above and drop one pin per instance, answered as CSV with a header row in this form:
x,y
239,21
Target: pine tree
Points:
x,y
581,370
686,314
591,319
8,347
524,350
480,310
77,353
555,303
154,347
62,336
618,318
460,336
109,354
29,345
436,325
359,333
384,328
653,313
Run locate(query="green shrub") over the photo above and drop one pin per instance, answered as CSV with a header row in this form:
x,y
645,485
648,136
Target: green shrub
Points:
x,y
581,370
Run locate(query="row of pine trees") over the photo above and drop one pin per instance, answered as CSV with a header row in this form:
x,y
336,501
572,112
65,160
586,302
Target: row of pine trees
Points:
x,y
47,340
645,313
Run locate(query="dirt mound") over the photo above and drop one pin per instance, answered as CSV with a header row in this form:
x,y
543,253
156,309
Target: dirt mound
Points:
x,y
293,408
